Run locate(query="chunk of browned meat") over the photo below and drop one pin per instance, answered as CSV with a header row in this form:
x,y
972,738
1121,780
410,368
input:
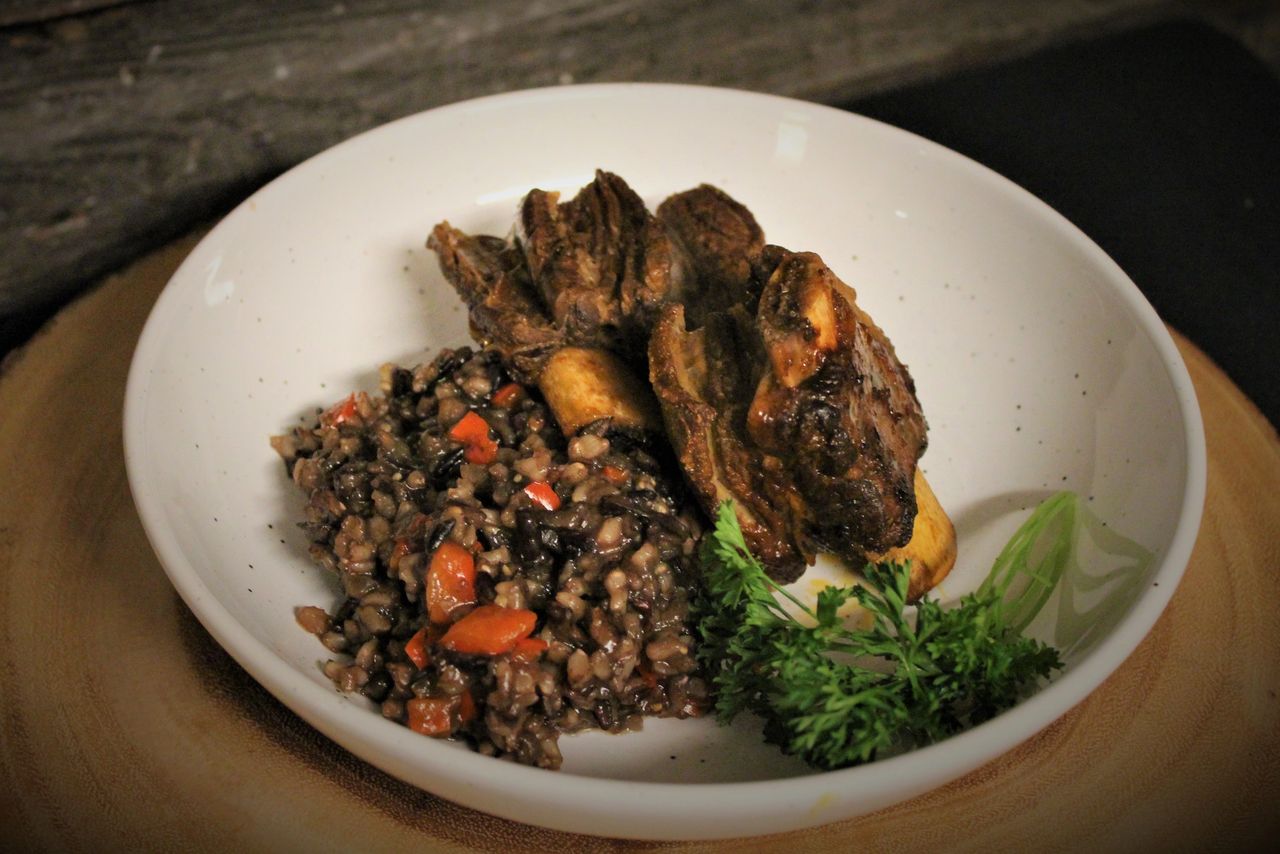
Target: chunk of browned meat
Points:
x,y
601,263
803,415
504,310
840,406
704,380
571,300
589,272
723,242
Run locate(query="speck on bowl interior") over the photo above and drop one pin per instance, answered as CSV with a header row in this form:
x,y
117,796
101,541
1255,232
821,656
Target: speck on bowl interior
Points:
x,y
1037,361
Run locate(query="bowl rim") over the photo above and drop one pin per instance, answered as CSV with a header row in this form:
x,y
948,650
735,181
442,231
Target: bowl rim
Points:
x,y
470,776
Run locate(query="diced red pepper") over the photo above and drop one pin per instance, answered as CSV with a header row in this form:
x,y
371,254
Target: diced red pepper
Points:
x,y
483,453
416,649
614,475
431,716
466,707
341,412
489,630
451,581
508,396
542,494
473,432
529,649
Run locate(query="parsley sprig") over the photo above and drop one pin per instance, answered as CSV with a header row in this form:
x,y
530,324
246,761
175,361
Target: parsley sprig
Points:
x,y
838,696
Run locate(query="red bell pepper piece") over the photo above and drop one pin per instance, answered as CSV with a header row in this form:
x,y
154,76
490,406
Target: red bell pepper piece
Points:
x,y
542,494
489,630
473,432
451,581
508,396
416,648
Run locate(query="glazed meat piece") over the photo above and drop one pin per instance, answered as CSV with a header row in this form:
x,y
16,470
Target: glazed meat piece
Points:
x,y
704,380
816,432
601,263
836,402
570,301
582,384
590,272
724,244
504,310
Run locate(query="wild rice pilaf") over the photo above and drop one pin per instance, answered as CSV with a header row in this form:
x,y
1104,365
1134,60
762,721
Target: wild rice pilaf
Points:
x,y
503,584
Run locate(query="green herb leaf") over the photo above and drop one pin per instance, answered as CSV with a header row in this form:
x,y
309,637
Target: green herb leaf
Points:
x,y
839,697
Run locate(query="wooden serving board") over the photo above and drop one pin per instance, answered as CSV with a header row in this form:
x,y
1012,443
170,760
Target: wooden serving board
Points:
x,y
125,726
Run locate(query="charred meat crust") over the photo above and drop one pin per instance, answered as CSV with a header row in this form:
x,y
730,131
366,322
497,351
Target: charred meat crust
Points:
x,y
504,310
590,272
801,413
699,385
840,406
577,285
723,242
601,263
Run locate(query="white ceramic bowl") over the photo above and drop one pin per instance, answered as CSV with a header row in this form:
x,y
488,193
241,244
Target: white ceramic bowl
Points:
x,y
1039,364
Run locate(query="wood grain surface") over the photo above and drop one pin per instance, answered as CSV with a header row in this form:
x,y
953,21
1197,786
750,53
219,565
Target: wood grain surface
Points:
x,y
124,726
122,125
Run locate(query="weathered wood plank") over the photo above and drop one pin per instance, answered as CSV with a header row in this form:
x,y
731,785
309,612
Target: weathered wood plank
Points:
x,y
122,127
35,11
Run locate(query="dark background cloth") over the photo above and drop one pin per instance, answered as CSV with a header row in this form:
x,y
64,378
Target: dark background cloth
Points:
x,y
1160,143
1163,145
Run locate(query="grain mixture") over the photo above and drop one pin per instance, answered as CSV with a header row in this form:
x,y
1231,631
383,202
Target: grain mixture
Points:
x,y
503,584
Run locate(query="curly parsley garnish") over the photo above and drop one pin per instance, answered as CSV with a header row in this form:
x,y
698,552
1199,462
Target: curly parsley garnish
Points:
x,y
837,696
